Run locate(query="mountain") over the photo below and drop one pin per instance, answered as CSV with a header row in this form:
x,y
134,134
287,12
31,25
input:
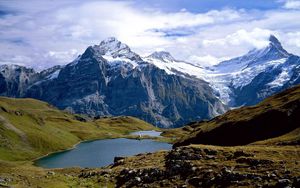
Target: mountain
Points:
x,y
249,79
275,120
165,61
15,79
110,79
241,81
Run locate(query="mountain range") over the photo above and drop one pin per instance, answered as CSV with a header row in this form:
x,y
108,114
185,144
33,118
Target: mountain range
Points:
x,y
110,79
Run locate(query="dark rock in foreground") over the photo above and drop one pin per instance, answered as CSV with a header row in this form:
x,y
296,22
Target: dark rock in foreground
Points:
x,y
208,166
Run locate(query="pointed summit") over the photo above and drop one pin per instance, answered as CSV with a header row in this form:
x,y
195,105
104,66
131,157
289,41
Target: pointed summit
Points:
x,y
274,51
274,40
111,45
162,55
275,48
275,43
115,48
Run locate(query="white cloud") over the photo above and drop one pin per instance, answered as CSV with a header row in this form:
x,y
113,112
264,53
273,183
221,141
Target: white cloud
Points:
x,y
54,32
257,38
61,56
292,4
292,39
205,61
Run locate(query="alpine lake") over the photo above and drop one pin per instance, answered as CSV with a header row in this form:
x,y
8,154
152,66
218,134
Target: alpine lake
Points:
x,y
99,153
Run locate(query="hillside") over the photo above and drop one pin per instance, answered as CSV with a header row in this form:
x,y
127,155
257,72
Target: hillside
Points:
x,y
30,128
274,121
192,166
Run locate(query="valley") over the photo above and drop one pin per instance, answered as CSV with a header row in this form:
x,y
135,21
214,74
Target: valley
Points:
x,y
218,139
266,160
149,94
31,129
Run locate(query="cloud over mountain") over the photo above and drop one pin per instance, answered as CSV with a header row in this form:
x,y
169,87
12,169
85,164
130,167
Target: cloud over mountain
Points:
x,y
55,32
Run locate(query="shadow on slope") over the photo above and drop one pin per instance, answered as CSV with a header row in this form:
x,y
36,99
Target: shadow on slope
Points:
x,y
277,116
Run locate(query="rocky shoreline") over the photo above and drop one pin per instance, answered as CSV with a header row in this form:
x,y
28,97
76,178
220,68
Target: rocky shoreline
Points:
x,y
204,166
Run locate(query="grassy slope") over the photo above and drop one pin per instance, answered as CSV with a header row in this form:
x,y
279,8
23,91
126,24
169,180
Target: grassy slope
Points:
x,y
273,121
30,128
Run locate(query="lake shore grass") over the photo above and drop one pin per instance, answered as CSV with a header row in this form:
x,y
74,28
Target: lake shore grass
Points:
x,y
31,129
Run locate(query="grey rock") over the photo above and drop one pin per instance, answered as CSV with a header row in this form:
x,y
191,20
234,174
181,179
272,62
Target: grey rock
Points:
x,y
138,179
116,159
194,181
96,86
283,183
51,173
254,162
241,153
92,85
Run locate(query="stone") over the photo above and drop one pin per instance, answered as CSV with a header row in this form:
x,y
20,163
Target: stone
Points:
x,y
241,153
226,170
254,162
296,182
51,173
105,171
210,151
80,118
210,157
88,174
138,179
283,182
194,181
116,159
134,177
18,113
2,180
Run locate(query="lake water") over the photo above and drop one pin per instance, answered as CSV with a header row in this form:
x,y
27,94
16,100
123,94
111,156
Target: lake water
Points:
x,y
147,133
100,152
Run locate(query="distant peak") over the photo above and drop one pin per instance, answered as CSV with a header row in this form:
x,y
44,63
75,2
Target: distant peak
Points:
x,y
273,40
109,39
273,51
275,48
11,66
162,55
111,46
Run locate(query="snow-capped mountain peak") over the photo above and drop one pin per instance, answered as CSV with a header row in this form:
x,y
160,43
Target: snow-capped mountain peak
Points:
x,y
115,49
271,62
164,60
275,48
162,55
274,41
274,51
112,46
112,79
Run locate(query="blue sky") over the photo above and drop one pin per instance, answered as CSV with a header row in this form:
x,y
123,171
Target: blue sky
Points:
x,y
41,34
200,6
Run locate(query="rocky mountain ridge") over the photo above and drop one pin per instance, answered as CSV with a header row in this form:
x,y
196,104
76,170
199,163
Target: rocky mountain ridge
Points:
x,y
111,79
